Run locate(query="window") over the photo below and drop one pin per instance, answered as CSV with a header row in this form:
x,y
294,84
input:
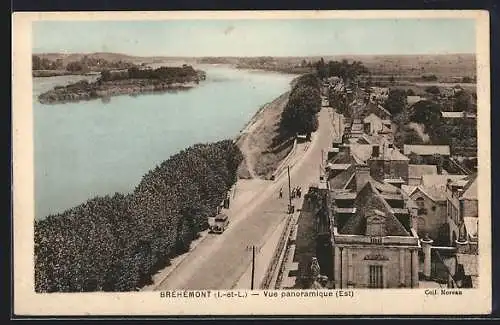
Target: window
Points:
x,y
376,276
420,202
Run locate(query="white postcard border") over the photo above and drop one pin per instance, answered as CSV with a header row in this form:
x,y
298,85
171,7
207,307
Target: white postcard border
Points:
x,y
387,301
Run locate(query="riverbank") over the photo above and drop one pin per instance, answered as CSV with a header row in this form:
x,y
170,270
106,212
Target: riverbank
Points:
x,y
83,90
257,141
56,73
126,82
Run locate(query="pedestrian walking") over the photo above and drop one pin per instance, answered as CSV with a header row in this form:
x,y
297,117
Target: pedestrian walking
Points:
x,y
299,192
293,193
281,192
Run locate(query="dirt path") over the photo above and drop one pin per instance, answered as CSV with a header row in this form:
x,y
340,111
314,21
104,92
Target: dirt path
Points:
x,y
249,155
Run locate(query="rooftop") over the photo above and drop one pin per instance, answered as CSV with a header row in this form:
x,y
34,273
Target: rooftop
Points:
x,y
470,189
372,117
425,150
434,186
367,201
457,115
364,152
338,166
469,261
471,225
417,171
413,99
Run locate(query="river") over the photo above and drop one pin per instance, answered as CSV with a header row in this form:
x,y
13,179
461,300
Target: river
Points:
x,y
99,147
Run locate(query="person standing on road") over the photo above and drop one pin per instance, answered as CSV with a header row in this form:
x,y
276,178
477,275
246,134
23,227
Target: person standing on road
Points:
x,y
299,192
281,192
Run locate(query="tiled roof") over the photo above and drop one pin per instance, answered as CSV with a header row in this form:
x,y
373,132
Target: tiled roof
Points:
x,y
345,195
338,166
440,180
432,192
434,186
469,261
394,180
345,210
372,117
471,225
385,129
369,199
422,149
413,99
457,115
416,171
408,189
470,189
364,151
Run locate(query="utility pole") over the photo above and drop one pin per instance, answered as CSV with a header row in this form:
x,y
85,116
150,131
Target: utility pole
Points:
x,y
289,190
253,266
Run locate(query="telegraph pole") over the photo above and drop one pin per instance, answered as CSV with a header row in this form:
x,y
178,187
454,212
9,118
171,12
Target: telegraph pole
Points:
x,y
289,189
253,266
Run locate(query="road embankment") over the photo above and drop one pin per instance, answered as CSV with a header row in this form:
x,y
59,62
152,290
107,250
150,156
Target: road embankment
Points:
x,y
260,141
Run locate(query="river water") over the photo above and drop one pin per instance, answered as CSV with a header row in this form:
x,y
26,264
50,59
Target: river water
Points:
x,y
98,147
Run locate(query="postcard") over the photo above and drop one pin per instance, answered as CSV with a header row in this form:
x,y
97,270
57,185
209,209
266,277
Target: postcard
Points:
x,y
251,163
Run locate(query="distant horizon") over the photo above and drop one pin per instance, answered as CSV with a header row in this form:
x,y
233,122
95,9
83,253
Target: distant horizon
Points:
x,y
254,38
250,56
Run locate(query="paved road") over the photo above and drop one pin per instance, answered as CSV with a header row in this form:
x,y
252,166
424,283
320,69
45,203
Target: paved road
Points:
x,y
221,260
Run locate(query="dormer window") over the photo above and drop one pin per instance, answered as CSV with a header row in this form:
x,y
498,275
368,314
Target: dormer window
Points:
x,y
375,224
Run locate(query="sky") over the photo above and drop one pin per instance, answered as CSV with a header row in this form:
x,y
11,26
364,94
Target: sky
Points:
x,y
288,37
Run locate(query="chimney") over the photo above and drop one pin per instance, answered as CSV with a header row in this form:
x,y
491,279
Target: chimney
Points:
x,y
362,175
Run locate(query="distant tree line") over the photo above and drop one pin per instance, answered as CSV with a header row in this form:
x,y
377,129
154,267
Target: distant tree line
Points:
x,y
46,64
115,243
173,74
343,69
304,102
85,64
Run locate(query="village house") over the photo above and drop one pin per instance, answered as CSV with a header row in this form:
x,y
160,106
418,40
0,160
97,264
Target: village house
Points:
x,y
357,129
462,212
375,125
427,153
430,198
384,160
373,240
378,110
415,173
379,94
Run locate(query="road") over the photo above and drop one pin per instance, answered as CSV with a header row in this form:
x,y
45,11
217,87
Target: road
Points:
x,y
221,260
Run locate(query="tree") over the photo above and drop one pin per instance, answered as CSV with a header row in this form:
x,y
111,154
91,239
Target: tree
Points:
x,y
304,102
321,69
427,113
431,77
467,79
434,90
396,101
463,101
